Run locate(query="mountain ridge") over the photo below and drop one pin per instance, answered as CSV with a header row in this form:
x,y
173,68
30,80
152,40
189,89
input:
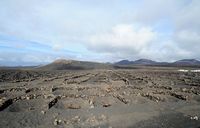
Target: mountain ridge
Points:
x,y
63,64
183,62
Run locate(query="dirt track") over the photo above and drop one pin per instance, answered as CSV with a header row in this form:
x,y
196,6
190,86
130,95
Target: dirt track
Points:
x,y
99,98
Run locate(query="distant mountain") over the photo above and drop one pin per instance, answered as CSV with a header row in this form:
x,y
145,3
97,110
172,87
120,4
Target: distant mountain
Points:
x,y
62,64
124,62
147,62
136,62
186,62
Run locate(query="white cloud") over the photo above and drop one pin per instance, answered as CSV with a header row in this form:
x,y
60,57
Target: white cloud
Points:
x,y
187,28
188,17
188,37
181,18
157,29
122,38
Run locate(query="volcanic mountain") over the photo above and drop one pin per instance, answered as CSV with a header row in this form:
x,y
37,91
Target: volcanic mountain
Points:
x,y
187,62
146,62
136,62
63,64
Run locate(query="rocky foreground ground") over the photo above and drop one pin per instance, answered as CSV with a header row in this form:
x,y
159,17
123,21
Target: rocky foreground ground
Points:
x,y
99,98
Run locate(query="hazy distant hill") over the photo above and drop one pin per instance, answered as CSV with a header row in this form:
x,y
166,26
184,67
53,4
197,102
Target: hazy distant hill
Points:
x,y
62,64
187,62
147,62
124,62
137,62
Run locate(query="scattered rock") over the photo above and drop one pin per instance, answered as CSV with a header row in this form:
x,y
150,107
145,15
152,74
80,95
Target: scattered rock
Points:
x,y
108,89
76,119
122,99
184,89
153,97
2,99
113,92
53,102
48,96
92,121
22,97
31,108
5,104
57,122
90,102
77,96
83,96
194,118
102,95
102,117
124,93
92,106
28,98
179,96
106,105
72,106
43,112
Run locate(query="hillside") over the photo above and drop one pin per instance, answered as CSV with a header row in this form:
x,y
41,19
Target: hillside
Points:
x,y
147,62
187,62
62,64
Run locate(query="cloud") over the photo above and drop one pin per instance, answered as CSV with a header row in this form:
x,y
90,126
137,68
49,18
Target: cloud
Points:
x,y
188,17
187,28
173,32
122,38
188,37
104,30
132,41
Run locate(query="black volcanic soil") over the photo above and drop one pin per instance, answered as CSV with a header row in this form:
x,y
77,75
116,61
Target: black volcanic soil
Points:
x,y
132,98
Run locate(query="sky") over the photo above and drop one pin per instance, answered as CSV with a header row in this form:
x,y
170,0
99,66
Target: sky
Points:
x,y
34,32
